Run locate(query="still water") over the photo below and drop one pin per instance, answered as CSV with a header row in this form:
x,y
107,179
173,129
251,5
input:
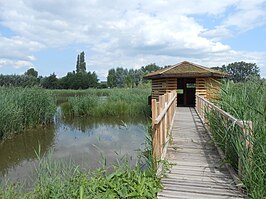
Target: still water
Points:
x,y
86,141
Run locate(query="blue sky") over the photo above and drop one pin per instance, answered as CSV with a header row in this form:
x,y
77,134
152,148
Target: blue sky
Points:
x,y
48,34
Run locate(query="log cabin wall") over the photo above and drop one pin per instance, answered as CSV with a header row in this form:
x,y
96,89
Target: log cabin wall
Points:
x,y
201,86
161,86
205,86
158,88
213,86
171,84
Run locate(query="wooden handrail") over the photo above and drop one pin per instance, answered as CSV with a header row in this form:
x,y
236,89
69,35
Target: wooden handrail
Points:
x,y
162,114
163,111
203,104
240,123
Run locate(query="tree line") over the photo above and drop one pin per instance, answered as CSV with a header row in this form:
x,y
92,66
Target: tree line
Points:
x,y
78,79
240,71
117,77
123,77
120,77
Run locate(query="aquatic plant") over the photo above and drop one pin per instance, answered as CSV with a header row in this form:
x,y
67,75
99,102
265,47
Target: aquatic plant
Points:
x,y
246,101
24,108
118,102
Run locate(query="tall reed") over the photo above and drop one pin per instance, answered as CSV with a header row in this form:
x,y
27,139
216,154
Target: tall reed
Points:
x,y
117,102
23,108
246,101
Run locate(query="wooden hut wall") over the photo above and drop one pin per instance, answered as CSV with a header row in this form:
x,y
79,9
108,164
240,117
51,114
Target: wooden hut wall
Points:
x,y
158,88
213,86
161,86
171,84
205,87
201,86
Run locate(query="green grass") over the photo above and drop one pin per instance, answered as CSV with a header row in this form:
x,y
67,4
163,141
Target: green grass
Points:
x,y
246,101
57,179
24,108
118,102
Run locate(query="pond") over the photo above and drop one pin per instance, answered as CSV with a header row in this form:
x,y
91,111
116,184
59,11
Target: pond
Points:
x,y
88,142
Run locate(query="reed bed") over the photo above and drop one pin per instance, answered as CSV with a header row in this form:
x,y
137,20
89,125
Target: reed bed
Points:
x,y
246,101
109,102
24,108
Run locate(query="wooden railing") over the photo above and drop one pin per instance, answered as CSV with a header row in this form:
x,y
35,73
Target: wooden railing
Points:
x,y
163,112
203,106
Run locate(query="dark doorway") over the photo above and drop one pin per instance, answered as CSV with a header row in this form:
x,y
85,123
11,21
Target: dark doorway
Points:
x,y
186,88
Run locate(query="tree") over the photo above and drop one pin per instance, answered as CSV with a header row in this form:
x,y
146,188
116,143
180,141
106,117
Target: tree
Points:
x,y
31,72
18,80
50,82
79,80
81,64
120,76
138,77
150,68
78,64
240,71
111,81
93,80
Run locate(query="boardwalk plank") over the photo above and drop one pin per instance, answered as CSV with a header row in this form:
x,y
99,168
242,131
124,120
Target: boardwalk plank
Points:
x,y
197,169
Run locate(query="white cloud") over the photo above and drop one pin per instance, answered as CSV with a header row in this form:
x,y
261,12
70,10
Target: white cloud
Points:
x,y
246,15
16,51
127,33
15,64
5,62
22,64
245,20
216,34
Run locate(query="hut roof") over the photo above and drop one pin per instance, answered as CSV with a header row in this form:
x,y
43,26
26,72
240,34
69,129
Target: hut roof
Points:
x,y
185,69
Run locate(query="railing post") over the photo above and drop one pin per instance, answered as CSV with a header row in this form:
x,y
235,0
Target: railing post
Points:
x,y
163,123
247,141
162,117
248,132
154,130
160,108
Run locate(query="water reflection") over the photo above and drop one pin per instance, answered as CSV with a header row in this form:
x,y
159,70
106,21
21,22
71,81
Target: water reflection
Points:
x,y
22,148
87,141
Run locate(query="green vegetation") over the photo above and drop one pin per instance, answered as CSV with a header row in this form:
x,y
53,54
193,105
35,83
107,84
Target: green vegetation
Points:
x,y
245,101
24,108
58,179
62,179
113,102
19,80
240,71
131,78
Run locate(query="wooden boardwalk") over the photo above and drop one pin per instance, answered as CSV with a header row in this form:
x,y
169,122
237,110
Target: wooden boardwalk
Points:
x,y
197,170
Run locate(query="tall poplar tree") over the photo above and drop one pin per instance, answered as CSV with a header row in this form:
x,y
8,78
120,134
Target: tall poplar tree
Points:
x,y
81,64
77,65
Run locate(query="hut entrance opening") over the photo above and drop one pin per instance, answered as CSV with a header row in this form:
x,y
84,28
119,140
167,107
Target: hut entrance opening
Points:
x,y
186,89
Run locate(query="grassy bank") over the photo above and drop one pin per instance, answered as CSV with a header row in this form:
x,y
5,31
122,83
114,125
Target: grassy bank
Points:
x,y
246,101
108,102
24,108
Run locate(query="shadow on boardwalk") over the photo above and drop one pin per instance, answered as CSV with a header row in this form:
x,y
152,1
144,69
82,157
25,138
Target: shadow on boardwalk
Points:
x,y
197,171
